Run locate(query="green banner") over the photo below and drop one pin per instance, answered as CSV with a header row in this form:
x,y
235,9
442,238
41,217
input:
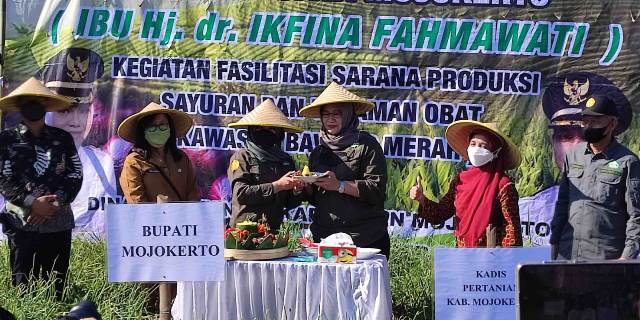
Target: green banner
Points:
x,y
424,63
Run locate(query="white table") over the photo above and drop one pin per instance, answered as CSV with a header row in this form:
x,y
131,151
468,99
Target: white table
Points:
x,y
285,289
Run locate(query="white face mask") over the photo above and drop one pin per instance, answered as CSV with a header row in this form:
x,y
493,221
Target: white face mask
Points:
x,y
480,156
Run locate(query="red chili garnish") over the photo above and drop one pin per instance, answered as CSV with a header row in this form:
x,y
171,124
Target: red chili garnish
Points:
x,y
307,243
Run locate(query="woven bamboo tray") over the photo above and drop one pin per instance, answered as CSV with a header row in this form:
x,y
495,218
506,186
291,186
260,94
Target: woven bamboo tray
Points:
x,y
266,254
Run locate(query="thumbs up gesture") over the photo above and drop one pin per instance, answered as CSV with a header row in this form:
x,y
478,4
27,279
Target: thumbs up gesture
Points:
x,y
416,191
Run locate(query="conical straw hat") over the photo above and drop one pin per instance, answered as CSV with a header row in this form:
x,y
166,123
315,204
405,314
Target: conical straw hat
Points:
x,y
458,136
181,121
266,115
336,94
33,89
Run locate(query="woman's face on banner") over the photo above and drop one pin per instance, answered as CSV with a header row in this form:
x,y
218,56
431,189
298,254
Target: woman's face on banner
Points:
x,y
564,138
75,120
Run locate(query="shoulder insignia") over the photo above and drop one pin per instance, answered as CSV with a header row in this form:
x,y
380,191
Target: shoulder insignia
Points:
x,y
235,165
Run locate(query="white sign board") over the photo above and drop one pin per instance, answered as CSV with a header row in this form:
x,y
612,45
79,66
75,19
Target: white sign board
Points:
x,y
480,283
165,242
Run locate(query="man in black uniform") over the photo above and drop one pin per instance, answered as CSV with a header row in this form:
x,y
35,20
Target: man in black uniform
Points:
x,y
40,176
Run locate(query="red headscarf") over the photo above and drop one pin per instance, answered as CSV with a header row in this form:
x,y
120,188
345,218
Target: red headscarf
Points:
x,y
476,195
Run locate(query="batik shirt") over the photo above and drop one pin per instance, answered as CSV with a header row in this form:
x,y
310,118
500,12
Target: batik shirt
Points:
x,y
36,166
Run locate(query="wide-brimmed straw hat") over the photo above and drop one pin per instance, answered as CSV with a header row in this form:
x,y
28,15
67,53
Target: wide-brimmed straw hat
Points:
x,y
33,89
336,94
266,115
459,133
181,121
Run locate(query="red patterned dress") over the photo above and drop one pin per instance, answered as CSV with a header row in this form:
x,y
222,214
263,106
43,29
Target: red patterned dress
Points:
x,y
505,215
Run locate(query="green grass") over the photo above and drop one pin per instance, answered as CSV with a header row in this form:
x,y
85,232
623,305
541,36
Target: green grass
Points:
x,y
87,280
411,272
410,269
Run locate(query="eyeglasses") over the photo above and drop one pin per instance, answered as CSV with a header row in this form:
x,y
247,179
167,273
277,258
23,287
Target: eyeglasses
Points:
x,y
335,115
159,127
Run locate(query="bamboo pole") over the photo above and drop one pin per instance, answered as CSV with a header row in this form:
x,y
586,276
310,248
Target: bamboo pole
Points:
x,y
491,236
167,290
3,25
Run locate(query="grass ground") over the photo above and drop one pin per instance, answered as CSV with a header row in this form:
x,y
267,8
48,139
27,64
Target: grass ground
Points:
x,y
410,270
87,280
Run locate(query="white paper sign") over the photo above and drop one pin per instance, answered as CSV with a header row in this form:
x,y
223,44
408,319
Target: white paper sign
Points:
x,y
480,283
165,242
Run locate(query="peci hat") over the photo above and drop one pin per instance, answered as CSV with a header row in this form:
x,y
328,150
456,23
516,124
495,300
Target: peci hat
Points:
x,y
333,94
84,309
181,121
458,134
32,89
266,115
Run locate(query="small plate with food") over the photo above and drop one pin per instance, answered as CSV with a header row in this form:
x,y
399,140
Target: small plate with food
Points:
x,y
308,176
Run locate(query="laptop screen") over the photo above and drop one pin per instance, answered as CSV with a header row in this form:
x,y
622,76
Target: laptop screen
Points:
x,y
579,291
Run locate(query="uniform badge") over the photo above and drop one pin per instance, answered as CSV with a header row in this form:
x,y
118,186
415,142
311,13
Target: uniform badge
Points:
x,y
591,102
575,92
235,165
77,68
614,165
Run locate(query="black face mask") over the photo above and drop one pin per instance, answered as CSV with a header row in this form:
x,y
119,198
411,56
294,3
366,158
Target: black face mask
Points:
x,y
593,135
32,111
265,138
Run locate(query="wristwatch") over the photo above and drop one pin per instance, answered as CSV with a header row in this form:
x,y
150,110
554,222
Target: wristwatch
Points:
x,y
341,187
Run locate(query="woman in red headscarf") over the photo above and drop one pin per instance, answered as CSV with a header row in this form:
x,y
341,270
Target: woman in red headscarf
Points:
x,y
482,195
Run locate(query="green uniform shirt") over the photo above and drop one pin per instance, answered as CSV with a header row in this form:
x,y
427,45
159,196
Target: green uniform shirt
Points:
x,y
597,214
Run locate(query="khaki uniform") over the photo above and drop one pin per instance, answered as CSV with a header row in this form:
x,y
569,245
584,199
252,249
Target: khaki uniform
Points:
x,y
253,193
142,182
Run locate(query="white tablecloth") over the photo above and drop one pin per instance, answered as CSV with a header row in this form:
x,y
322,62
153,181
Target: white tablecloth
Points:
x,y
285,289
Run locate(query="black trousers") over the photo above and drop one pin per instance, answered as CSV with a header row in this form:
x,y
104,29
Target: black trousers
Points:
x,y
40,255
384,244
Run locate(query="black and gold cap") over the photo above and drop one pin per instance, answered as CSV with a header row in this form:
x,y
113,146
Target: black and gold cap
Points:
x,y
72,73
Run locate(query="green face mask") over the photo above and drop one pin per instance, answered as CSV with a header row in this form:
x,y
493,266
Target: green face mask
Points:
x,y
156,137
